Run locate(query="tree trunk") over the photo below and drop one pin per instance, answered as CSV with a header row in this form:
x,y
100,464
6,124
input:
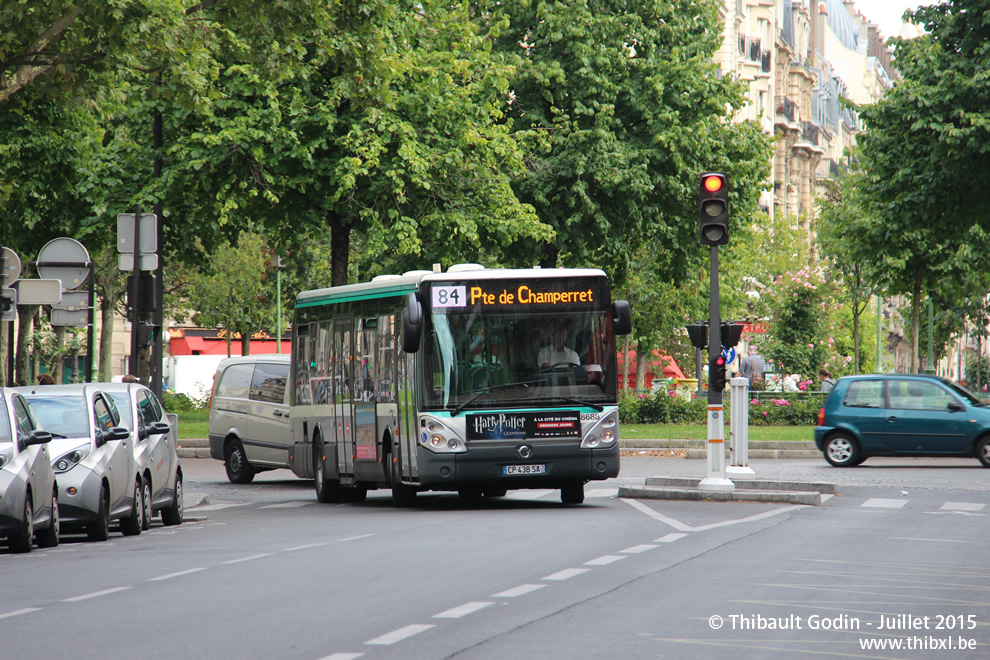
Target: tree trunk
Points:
x,y
59,365
640,368
550,254
25,328
915,321
625,366
4,353
340,247
245,343
107,307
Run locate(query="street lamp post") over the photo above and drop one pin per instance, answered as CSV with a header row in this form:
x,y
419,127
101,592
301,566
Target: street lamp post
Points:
x,y
878,369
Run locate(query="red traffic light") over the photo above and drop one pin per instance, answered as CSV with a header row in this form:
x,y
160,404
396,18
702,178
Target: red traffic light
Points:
x,y
720,361
713,183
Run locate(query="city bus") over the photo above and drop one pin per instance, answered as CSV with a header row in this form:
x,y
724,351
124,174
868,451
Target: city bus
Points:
x,y
474,380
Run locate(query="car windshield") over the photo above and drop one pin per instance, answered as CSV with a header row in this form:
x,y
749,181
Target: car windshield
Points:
x,y
63,415
123,401
969,396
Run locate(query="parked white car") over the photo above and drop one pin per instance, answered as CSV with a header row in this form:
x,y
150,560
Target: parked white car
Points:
x,y
28,491
155,450
92,457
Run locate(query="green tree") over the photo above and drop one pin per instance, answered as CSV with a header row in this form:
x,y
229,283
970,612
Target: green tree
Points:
x,y
234,291
925,149
621,108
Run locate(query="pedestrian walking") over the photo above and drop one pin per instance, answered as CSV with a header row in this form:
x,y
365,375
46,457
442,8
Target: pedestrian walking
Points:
x,y
754,369
827,381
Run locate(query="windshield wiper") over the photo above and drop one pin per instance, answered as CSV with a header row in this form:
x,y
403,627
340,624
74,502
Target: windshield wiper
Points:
x,y
492,388
597,406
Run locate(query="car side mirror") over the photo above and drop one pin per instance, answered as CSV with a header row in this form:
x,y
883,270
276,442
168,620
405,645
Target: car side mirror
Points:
x,y
158,428
955,406
116,433
37,437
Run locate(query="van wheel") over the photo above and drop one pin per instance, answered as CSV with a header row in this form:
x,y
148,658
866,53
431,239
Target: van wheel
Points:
x,y
239,471
327,490
22,540
841,451
134,523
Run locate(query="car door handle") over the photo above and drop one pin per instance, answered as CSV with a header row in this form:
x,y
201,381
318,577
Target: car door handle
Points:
x,y
891,419
278,413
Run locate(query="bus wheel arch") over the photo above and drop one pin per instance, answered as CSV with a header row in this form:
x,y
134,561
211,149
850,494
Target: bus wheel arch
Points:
x,y
327,490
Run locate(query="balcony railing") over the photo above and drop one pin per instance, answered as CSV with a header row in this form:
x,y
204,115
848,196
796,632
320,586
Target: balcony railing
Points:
x,y
765,61
788,109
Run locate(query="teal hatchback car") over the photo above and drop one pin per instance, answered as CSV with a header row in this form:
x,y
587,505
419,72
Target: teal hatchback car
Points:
x,y
901,415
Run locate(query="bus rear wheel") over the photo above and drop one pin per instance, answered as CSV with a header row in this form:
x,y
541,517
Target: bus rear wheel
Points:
x,y
327,490
572,493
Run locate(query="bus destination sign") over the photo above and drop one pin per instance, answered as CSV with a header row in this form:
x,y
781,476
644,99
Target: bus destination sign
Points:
x,y
522,425
491,294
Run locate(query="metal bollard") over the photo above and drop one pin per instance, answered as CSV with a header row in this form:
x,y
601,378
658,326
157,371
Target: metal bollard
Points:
x,y
739,445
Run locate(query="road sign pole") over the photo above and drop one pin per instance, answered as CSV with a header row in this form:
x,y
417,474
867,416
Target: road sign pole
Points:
x,y
132,365
715,479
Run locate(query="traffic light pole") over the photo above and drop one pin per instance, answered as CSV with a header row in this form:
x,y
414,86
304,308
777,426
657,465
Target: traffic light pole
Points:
x,y
715,479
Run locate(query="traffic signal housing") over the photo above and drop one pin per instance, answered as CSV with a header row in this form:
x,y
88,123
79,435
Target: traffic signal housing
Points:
x,y
716,374
731,333
714,208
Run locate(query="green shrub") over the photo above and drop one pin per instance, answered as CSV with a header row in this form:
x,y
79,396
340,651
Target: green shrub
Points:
x,y
180,403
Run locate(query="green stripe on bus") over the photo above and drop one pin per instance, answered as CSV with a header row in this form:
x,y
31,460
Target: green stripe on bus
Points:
x,y
371,295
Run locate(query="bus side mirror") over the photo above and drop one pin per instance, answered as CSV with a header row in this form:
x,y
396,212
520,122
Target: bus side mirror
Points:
x,y
621,317
412,324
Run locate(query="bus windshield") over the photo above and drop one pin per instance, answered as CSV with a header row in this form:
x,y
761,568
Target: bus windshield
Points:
x,y
554,349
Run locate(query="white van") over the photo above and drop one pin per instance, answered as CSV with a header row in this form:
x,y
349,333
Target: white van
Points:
x,y
249,415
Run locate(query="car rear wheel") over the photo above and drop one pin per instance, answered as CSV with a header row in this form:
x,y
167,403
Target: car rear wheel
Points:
x,y
175,512
842,451
239,471
48,537
134,523
983,451
99,529
22,540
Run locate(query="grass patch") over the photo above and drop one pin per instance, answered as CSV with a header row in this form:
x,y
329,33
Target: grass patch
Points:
x,y
700,432
194,424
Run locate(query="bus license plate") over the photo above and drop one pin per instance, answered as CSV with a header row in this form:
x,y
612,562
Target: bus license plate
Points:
x,y
524,469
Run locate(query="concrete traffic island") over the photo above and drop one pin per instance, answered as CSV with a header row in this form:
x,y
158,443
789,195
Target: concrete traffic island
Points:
x,y
749,490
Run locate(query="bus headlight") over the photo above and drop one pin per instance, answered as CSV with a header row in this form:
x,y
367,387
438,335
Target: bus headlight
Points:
x,y
439,438
602,433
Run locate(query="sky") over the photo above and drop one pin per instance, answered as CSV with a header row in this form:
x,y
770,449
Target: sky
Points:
x,y
887,13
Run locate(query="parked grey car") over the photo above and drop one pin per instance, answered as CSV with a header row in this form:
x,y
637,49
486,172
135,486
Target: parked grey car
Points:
x,y
92,457
155,450
28,491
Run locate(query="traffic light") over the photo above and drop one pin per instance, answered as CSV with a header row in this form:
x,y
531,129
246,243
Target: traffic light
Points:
x,y
147,293
146,334
730,334
698,333
716,374
8,304
714,208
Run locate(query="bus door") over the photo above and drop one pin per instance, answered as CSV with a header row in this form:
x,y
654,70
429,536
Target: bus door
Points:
x,y
408,433
365,395
343,387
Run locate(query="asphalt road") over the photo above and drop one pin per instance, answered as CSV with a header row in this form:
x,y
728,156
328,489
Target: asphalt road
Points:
x,y
263,571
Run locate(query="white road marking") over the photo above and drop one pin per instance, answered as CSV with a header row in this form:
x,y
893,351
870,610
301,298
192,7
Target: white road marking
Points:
x,y
287,505
400,634
463,610
759,516
679,526
881,503
528,494
175,575
603,560
915,538
669,538
95,594
304,547
343,656
216,507
601,492
26,610
238,561
636,549
355,538
962,506
521,590
566,574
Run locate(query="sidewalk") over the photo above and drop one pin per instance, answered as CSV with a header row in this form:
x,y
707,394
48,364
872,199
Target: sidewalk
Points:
x,y
690,449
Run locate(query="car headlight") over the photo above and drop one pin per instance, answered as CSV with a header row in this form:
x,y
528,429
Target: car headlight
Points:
x,y
67,461
438,438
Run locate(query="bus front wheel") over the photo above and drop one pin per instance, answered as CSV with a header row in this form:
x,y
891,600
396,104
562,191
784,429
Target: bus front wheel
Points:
x,y
572,493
